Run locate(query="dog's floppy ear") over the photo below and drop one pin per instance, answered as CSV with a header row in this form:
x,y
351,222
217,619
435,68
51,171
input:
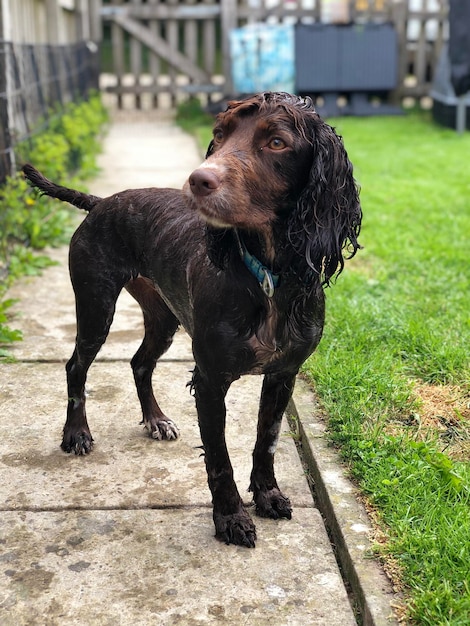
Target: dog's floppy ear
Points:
x,y
328,215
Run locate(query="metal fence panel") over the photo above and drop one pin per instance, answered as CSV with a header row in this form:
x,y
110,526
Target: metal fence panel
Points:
x,y
35,81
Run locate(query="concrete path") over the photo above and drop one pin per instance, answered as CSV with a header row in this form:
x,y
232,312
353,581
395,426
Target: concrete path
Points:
x,y
125,535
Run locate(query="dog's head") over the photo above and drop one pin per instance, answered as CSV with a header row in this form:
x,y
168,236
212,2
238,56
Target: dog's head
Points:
x,y
273,163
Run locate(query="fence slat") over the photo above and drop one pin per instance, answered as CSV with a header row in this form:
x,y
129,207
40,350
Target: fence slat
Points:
x,y
117,47
136,51
154,59
190,42
209,43
228,20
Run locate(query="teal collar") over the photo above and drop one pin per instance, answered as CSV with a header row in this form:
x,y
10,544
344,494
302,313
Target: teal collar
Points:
x,y
266,279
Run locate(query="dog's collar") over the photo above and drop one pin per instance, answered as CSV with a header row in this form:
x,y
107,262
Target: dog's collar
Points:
x,y
266,279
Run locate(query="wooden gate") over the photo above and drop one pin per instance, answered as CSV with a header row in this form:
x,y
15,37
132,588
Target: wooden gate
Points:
x,y
156,52
159,51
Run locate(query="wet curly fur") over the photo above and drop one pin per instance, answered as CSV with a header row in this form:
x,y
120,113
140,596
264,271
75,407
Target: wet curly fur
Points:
x,y
276,183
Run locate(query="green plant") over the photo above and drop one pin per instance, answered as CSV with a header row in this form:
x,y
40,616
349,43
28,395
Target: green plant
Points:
x,y
193,119
7,335
69,144
80,126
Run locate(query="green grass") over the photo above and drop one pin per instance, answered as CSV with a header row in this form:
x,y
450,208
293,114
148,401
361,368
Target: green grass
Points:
x,y
399,315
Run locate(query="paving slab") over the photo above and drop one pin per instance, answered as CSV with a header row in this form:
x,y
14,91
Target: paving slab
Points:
x,y
148,151
164,567
126,468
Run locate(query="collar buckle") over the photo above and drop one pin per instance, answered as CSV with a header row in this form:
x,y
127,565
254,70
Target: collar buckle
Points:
x,y
266,279
267,284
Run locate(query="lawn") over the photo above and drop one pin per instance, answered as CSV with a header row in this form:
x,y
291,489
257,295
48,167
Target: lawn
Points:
x,y
392,370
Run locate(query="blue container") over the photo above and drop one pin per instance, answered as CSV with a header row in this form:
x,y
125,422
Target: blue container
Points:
x,y
263,58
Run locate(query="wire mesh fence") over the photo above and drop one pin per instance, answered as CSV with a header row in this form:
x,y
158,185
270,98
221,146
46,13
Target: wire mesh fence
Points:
x,y
36,80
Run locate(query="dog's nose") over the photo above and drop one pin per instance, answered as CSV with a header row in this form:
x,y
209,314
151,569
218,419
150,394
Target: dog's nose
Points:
x,y
203,182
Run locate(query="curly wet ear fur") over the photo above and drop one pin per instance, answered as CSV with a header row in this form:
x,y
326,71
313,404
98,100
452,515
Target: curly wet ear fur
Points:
x,y
327,219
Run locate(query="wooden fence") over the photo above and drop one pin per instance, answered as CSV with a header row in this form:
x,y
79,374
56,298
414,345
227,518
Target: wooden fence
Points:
x,y
156,51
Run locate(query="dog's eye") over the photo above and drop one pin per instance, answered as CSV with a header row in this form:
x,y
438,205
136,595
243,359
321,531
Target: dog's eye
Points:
x,y
277,144
218,136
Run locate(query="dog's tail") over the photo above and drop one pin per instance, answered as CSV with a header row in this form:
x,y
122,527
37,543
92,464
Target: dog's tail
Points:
x,y
81,200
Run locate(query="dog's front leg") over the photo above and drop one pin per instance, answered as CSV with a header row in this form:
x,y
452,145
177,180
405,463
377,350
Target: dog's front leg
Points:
x,y
275,394
232,522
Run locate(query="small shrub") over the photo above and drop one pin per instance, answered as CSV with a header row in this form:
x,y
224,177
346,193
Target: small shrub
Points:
x,y
69,145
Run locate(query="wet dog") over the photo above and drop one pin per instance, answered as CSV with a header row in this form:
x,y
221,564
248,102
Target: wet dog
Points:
x,y
239,258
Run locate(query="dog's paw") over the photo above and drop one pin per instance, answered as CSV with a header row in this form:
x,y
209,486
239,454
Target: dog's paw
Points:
x,y
162,429
273,504
80,443
237,528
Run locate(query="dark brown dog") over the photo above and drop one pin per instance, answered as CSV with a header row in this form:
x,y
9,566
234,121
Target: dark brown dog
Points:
x,y
239,258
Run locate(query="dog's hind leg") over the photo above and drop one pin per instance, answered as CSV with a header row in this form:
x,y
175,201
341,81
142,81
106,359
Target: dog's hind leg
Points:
x,y
275,394
95,297
160,326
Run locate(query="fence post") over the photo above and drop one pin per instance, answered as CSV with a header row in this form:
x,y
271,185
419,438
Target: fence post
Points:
x,y
52,23
95,36
95,21
228,21
399,19
5,140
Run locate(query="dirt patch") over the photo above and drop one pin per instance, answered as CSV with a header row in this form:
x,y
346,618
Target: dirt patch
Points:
x,y
444,410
